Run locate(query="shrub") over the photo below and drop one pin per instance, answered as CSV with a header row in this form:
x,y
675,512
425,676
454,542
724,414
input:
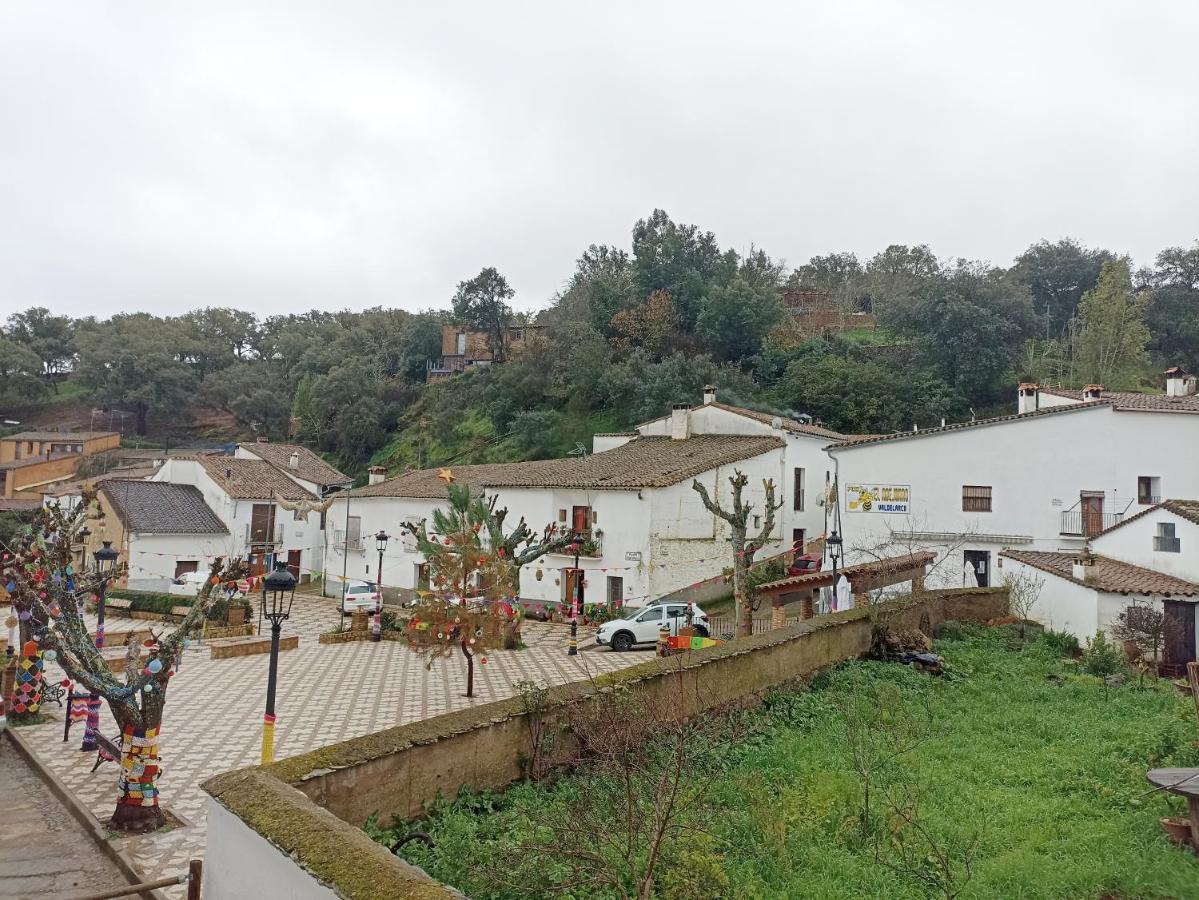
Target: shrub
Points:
x,y
1102,657
1063,643
149,601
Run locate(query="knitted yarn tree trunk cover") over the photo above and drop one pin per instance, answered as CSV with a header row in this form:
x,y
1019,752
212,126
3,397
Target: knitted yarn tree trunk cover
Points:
x,y
27,688
137,803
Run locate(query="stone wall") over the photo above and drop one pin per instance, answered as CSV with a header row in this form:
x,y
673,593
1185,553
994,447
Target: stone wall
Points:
x,y
397,772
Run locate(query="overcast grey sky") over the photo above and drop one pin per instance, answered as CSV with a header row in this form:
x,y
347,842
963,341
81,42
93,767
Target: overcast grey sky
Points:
x,y
279,157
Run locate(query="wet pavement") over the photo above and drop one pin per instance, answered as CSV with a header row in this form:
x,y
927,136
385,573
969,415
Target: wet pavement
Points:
x,y
44,852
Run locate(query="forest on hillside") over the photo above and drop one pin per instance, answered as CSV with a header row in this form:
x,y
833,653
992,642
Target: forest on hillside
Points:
x,y
631,332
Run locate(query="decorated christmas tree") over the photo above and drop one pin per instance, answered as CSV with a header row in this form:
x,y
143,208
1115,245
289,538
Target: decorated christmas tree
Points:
x,y
44,588
473,577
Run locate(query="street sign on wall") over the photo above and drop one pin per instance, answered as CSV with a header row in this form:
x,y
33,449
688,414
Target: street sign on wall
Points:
x,y
878,498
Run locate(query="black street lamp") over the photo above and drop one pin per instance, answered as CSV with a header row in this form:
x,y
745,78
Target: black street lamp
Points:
x,y
576,596
278,592
106,561
381,540
834,551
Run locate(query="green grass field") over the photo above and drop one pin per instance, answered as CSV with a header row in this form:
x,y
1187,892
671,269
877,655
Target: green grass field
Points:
x,y
1042,766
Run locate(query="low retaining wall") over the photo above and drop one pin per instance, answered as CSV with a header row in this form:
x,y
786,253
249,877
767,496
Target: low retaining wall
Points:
x,y
251,646
311,806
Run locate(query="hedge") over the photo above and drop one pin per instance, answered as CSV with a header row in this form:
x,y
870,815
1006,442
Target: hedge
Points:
x,y
150,601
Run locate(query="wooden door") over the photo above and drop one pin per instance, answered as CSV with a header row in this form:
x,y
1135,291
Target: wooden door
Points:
x,y
1092,513
1180,636
184,567
293,563
262,523
580,519
574,589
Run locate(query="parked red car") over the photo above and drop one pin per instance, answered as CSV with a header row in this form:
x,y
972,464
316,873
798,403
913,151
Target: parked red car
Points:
x,y
805,564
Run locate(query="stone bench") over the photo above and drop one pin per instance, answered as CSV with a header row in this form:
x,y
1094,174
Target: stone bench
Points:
x,y
250,646
117,603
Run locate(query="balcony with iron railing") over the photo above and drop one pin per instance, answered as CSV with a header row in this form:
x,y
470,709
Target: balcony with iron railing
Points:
x,y
591,542
342,542
258,538
1093,515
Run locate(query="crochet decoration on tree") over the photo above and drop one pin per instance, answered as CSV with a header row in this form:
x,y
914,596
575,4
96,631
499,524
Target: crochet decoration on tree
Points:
x,y
44,587
474,578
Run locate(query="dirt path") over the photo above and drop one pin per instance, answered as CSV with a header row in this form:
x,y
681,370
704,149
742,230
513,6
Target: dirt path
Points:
x,y
44,852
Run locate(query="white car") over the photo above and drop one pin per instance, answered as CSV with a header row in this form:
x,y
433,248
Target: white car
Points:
x,y
361,596
642,628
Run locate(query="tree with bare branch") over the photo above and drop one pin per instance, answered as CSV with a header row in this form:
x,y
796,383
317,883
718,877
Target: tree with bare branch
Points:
x,y
744,548
44,588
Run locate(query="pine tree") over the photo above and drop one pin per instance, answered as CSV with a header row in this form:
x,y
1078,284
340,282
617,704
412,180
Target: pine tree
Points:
x,y
474,576
1109,348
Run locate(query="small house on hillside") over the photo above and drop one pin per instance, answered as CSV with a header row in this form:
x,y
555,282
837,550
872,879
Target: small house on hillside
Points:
x,y
33,460
464,348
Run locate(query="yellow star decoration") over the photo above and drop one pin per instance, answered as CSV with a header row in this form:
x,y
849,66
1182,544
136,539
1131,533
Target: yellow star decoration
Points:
x,y
446,475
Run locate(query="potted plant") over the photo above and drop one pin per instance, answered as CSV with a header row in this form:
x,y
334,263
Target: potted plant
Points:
x,y
1177,829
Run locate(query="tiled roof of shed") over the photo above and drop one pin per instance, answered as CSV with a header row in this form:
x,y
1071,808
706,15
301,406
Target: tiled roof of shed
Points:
x,y
1187,509
1135,401
158,507
875,567
311,467
641,463
251,479
1112,576
859,440
58,435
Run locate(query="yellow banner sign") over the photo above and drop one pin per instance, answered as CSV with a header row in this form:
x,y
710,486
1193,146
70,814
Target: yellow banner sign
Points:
x,y
878,498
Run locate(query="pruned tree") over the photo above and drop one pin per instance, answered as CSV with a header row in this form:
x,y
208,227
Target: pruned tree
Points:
x,y
744,547
473,575
1145,630
1024,590
44,587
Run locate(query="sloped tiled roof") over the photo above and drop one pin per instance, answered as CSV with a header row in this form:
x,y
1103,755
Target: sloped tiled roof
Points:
x,y
1112,576
159,507
875,567
124,473
251,479
791,425
859,440
641,463
58,435
311,467
1135,401
1187,509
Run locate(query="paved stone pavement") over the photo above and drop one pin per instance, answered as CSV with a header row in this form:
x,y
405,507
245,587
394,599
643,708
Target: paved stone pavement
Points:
x,y
213,716
44,852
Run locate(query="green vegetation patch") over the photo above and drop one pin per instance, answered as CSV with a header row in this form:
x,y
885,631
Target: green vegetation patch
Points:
x,y
1015,760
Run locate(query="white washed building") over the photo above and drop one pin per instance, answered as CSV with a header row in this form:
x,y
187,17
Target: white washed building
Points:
x,y
1068,466
1150,559
647,533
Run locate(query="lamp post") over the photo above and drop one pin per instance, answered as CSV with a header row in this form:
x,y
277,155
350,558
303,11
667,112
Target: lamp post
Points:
x,y
576,590
278,592
381,540
106,560
834,552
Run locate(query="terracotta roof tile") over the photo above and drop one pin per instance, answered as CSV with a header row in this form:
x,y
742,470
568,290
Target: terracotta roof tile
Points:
x,y
251,479
1112,576
58,435
159,507
642,462
961,426
311,467
1187,509
876,567
1136,401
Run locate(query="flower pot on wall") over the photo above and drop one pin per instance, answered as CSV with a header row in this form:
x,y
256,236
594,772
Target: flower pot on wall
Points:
x,y
1177,830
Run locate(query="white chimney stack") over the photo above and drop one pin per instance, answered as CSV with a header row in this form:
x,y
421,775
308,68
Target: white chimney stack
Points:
x,y
1092,392
680,424
1030,397
709,394
1084,568
294,460
375,474
1179,383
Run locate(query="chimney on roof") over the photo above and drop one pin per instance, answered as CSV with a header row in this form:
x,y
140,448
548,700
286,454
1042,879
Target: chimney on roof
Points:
x,y
1092,392
680,422
294,460
375,474
1029,397
709,394
1084,568
1179,383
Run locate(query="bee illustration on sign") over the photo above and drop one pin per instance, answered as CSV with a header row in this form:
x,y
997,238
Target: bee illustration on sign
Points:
x,y
878,498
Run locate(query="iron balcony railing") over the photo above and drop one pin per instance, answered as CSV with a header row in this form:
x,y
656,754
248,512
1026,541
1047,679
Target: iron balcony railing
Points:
x,y
264,539
340,541
1076,523
591,542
